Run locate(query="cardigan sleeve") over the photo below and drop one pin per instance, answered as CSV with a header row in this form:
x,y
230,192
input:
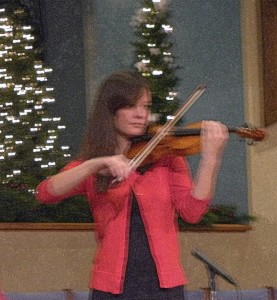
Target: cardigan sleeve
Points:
x,y
181,183
43,190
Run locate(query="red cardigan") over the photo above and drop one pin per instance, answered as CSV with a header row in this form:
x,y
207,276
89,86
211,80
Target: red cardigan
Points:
x,y
162,192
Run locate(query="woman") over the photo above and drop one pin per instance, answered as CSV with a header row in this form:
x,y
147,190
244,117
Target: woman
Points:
x,y
138,250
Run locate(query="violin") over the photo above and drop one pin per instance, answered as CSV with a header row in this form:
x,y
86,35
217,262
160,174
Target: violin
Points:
x,y
181,141
168,140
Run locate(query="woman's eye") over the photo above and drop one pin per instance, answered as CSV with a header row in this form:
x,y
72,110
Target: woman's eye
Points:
x,y
148,106
129,106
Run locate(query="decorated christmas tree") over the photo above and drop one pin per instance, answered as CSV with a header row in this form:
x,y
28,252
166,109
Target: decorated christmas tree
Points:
x,y
29,149
154,58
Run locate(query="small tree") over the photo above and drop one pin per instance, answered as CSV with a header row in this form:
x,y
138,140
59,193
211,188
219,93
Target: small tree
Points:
x,y
29,149
154,59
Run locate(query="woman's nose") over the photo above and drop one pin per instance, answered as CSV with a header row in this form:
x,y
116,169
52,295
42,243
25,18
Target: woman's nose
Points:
x,y
141,112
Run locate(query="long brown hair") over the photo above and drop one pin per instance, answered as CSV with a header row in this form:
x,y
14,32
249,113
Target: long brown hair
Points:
x,y
117,91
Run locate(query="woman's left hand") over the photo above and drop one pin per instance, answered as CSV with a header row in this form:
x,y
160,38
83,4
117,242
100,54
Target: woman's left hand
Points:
x,y
214,137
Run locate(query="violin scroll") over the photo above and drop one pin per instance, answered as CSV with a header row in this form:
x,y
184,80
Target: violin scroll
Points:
x,y
249,133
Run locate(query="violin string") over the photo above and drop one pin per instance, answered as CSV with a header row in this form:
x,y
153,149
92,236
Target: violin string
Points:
x,y
140,157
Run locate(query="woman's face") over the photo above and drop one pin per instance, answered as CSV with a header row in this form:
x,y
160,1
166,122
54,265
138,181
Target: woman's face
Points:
x,y
131,121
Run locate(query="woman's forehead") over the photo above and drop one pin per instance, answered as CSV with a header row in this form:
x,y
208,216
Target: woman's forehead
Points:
x,y
145,96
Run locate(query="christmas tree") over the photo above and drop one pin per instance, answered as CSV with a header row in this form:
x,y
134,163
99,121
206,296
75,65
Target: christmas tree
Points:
x,y
154,58
29,150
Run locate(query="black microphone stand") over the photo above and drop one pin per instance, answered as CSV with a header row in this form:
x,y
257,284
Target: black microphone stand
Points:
x,y
212,283
213,270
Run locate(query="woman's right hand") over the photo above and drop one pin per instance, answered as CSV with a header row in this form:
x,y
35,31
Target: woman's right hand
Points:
x,y
116,166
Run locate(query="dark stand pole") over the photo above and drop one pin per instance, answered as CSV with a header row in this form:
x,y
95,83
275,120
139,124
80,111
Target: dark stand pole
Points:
x,y
212,283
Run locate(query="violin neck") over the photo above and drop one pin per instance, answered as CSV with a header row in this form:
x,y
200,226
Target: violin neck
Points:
x,y
194,131
232,129
177,132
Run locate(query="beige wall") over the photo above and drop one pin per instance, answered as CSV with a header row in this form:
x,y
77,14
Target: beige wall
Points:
x,y
54,260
